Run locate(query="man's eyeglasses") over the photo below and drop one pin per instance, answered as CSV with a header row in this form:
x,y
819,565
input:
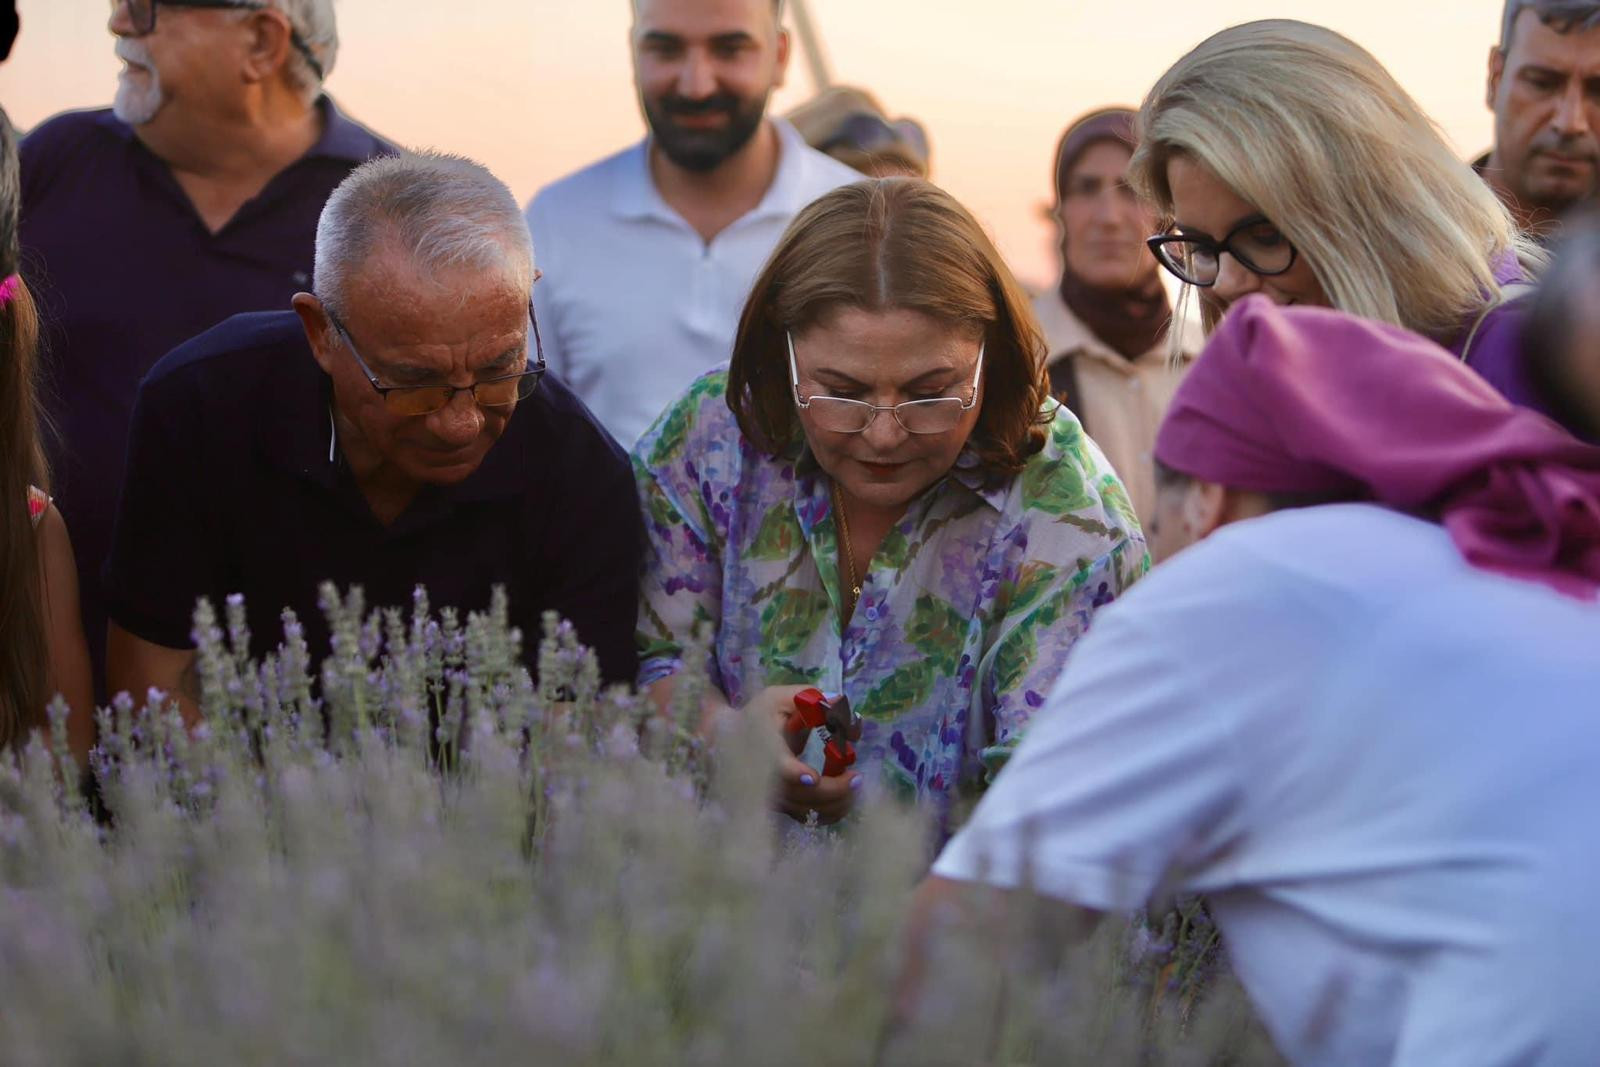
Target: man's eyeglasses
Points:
x,y
1197,259
839,415
498,392
142,13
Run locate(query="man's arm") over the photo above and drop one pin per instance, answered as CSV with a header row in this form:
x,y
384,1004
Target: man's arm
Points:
x,y
164,555
591,551
136,666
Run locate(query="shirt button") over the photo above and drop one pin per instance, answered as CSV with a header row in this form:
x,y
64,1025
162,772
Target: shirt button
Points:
x,y
872,613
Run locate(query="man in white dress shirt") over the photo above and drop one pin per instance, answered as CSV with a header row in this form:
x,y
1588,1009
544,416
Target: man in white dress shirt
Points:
x,y
648,255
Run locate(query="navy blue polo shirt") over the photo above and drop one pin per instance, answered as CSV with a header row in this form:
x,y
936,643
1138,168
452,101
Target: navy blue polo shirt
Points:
x,y
230,489
125,271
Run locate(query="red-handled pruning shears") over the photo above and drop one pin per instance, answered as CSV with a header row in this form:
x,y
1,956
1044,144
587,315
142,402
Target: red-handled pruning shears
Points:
x,y
839,726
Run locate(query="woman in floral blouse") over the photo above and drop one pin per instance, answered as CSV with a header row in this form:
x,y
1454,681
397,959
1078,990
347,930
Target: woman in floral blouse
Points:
x,y
878,498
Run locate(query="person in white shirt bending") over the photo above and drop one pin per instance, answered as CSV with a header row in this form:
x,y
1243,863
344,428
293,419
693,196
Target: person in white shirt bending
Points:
x,y
648,255
1366,732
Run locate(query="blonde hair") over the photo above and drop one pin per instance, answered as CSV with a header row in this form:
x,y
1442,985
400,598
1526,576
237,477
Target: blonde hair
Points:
x,y
1309,128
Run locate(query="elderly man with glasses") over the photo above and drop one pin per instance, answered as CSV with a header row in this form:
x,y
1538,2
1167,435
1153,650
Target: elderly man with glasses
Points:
x,y
192,198
396,429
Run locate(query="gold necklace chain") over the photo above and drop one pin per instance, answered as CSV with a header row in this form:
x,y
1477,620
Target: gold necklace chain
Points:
x,y
844,541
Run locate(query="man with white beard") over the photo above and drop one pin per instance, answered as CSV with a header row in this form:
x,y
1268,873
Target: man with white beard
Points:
x,y
193,198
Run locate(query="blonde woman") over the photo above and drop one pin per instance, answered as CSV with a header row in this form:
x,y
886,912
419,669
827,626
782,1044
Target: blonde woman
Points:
x,y
1287,161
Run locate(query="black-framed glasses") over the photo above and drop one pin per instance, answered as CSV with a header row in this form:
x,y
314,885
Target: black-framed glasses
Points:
x,y
836,414
1194,258
142,13
498,392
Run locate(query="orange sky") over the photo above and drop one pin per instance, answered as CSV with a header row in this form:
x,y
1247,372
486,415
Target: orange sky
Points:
x,y
536,88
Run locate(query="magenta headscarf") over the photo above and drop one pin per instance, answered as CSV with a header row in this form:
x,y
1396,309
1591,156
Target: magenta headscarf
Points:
x,y
1308,400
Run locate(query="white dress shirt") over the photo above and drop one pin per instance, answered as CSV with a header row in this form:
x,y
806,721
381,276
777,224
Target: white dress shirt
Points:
x,y
1380,764
634,305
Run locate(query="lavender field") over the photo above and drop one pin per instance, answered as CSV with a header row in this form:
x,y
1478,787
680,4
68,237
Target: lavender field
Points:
x,y
546,875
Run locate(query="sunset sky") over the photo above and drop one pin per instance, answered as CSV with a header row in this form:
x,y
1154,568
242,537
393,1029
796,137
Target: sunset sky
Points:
x,y
537,88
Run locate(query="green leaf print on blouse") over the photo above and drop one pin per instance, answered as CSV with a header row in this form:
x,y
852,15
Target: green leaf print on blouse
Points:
x,y
778,538
909,686
1056,488
894,553
937,631
675,428
782,672
1015,657
1032,584
1116,498
661,510
1067,436
790,621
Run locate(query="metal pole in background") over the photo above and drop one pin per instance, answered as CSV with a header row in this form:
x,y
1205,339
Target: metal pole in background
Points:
x,y
811,44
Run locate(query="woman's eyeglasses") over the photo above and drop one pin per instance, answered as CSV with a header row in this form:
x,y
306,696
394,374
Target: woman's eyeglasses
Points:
x,y
502,391
836,414
142,13
1197,259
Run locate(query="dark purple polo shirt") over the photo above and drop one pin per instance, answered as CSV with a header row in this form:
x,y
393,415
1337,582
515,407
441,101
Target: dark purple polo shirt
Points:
x,y
1496,354
1493,347
230,489
125,271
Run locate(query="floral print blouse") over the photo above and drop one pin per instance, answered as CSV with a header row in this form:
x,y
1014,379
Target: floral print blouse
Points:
x,y
966,614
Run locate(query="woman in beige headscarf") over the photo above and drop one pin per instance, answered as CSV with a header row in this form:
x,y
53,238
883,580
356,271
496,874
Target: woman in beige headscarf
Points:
x,y
1106,322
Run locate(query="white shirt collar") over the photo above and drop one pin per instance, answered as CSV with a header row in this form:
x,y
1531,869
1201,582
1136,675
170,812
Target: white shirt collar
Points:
x,y
635,196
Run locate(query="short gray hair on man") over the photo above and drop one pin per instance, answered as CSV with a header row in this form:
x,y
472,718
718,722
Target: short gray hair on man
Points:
x,y
446,211
314,21
1563,16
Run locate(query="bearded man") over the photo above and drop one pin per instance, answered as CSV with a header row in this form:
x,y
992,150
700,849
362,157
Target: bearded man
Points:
x,y
648,255
192,198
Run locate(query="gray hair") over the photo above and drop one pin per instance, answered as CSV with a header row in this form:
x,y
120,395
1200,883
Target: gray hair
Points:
x,y
314,21
1563,16
445,211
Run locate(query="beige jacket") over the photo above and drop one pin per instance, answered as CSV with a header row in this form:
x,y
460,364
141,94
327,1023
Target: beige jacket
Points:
x,y
1120,401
